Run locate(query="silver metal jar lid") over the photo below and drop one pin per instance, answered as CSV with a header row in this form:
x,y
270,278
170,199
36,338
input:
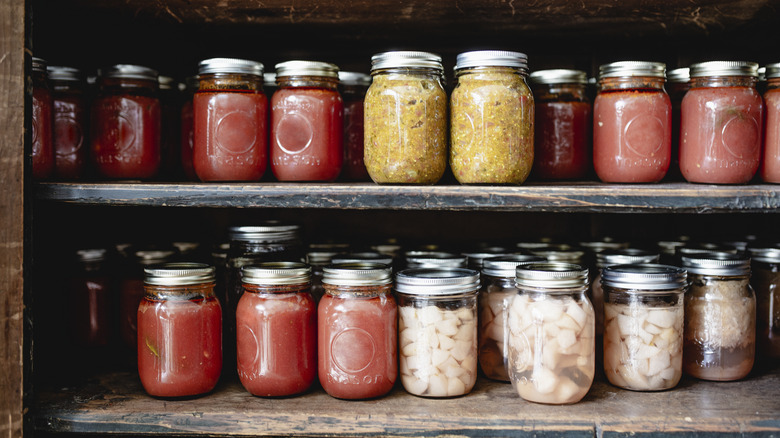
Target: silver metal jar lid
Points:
x,y
491,58
716,263
559,76
679,75
179,274
627,256
230,65
357,274
166,82
437,281
367,256
772,71
633,68
560,253
506,266
147,257
354,78
724,68
598,246
129,71
551,275
320,258
269,231
276,273
38,64
60,73
434,259
765,255
644,277
409,59
307,68
269,79
476,259
91,255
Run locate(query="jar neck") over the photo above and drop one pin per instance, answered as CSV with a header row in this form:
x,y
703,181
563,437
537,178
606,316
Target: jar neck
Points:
x,y
70,87
278,288
515,71
560,92
723,81
230,81
180,293
557,293
307,82
128,86
408,71
631,82
772,84
341,291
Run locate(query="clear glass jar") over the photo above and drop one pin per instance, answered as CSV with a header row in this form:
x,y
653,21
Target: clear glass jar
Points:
x,y
179,331
276,329
92,299
492,119
125,124
560,253
353,90
678,82
632,123
765,281
643,328
317,260
357,322
406,119
498,288
70,122
438,330
43,162
770,159
552,356
230,140
307,122
721,123
720,317
434,259
563,125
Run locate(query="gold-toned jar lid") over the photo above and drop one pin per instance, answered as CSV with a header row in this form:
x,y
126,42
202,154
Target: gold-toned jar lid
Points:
x,y
276,273
179,274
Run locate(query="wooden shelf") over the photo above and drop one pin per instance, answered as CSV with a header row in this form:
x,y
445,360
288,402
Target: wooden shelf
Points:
x,y
115,403
580,197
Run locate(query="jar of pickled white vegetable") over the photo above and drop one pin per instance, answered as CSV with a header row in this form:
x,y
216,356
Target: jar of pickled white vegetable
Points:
x,y
437,327
552,357
720,317
643,326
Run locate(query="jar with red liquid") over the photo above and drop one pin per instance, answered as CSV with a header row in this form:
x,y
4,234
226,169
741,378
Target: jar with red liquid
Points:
x,y
179,331
357,331
307,122
276,325
70,122
92,300
770,159
170,127
721,123
765,281
188,128
230,141
563,124
678,83
353,91
42,145
125,125
632,123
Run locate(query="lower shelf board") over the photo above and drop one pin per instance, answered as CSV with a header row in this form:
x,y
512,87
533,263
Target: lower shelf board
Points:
x,y
115,403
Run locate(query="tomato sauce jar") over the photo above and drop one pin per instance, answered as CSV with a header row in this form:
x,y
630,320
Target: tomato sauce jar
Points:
x,y
357,331
42,144
632,123
562,131
186,117
770,159
179,331
276,329
353,91
307,120
125,125
70,122
721,123
92,299
678,83
230,140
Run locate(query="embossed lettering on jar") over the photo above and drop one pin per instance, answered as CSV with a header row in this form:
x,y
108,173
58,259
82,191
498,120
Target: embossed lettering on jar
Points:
x,y
70,122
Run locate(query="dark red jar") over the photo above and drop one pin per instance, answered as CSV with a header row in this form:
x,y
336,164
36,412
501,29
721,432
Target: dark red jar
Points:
x,y
678,82
770,157
188,128
125,124
92,300
42,144
70,122
353,92
230,141
170,127
562,130
307,122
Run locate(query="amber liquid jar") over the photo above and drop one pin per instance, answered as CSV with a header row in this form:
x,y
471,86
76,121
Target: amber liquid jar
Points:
x,y
70,123
42,122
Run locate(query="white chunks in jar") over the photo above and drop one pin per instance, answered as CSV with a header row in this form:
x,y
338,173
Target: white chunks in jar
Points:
x,y
643,346
494,333
438,350
551,348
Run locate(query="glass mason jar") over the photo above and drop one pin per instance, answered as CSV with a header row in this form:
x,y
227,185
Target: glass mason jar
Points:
x,y
564,122
720,317
770,160
42,145
191,85
766,284
353,91
721,123
643,328
498,288
179,331
406,119
70,122
92,299
476,258
434,259
678,83
125,124
632,123
317,260
230,113
492,119
552,349
276,329
357,331
560,253
437,328
170,126
307,122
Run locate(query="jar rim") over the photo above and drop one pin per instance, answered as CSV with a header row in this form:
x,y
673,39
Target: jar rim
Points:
x,y
716,263
551,275
626,256
724,68
406,58
357,274
644,277
679,75
491,58
559,76
353,78
506,265
230,65
772,71
63,73
306,68
437,281
276,273
130,71
179,274
268,231
633,69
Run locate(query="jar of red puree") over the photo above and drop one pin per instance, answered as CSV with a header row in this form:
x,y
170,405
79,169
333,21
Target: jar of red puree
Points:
x,y
770,161
42,145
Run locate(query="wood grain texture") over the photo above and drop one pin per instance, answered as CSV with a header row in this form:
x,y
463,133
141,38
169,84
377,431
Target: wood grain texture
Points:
x,y
116,403
11,215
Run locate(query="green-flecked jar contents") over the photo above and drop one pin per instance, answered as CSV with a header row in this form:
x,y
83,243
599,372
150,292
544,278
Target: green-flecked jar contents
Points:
x,y
405,119
492,120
